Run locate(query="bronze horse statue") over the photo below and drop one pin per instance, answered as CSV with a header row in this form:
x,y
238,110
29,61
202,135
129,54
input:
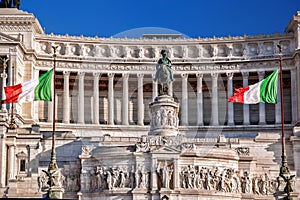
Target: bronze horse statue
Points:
x,y
164,73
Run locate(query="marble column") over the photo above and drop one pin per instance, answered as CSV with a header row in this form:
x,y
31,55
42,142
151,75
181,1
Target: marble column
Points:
x,y
66,98
230,107
199,100
294,95
154,175
96,98
81,98
246,112
111,98
176,177
170,90
262,107
140,99
50,111
215,104
125,99
154,88
11,162
184,104
35,104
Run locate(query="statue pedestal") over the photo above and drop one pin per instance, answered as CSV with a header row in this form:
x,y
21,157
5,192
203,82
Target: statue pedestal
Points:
x,y
55,190
164,116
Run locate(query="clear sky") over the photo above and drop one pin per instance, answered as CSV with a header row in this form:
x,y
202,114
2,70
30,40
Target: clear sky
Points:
x,y
193,18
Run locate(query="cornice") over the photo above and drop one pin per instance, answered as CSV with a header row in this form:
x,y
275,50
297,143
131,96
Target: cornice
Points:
x,y
110,40
12,19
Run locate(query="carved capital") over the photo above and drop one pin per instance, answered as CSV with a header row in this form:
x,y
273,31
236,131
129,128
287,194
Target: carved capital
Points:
x,y
125,75
140,75
96,74
81,74
229,75
214,75
199,75
245,75
184,76
66,73
261,74
111,75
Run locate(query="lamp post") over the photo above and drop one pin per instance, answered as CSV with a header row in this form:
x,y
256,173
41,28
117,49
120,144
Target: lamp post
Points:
x,y
284,168
55,190
53,164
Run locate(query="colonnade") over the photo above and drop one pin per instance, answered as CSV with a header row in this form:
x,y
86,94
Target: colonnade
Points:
x,y
183,99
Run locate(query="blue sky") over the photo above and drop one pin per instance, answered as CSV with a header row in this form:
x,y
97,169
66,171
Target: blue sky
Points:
x,y
190,17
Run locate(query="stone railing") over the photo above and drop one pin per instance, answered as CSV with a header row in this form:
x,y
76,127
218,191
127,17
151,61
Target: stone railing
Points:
x,y
181,49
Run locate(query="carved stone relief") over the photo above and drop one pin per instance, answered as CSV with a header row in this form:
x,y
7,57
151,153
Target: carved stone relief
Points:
x,y
268,48
165,171
117,177
226,180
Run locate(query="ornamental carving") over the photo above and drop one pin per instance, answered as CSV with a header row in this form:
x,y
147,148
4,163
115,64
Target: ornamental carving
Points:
x,y
243,151
188,147
164,118
142,147
194,51
86,150
165,174
226,180
116,177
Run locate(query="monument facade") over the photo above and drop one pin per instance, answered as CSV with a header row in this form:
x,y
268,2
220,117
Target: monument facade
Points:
x,y
121,135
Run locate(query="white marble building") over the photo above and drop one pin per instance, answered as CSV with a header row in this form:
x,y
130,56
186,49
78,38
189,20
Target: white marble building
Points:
x,y
106,147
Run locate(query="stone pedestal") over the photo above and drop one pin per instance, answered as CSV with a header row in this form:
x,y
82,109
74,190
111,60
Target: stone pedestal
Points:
x,y
55,179
164,116
283,196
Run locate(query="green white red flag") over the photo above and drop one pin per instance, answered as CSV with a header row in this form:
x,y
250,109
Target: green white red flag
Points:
x,y
32,90
264,91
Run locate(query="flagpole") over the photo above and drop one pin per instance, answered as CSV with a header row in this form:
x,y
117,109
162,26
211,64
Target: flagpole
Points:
x,y
12,125
53,164
284,168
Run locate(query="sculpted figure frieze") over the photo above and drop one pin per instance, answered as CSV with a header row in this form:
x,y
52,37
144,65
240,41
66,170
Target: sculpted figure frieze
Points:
x,y
226,180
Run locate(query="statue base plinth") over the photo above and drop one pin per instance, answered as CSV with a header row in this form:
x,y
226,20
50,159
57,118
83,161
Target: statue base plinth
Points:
x,y
283,196
164,116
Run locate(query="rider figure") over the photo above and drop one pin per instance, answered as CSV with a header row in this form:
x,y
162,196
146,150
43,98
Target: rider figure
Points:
x,y
164,66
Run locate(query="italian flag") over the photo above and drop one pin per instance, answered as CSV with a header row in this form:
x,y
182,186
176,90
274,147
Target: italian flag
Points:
x,y
35,89
264,91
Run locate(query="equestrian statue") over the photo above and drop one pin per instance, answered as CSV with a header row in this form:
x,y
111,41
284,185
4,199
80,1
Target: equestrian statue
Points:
x,y
10,4
164,73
